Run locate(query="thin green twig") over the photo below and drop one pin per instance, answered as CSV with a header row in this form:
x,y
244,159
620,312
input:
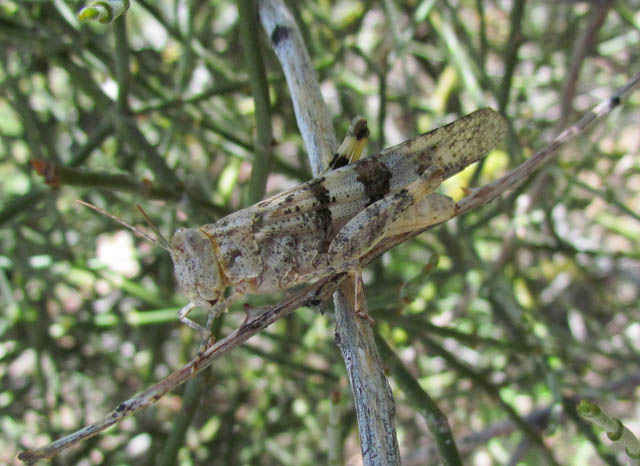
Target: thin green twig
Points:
x,y
616,430
254,63
493,392
421,401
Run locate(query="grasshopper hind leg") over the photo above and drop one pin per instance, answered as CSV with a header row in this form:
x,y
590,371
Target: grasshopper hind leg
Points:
x,y
429,210
364,231
407,210
359,299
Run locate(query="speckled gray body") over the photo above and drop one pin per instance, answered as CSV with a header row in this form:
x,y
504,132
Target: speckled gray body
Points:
x,y
325,225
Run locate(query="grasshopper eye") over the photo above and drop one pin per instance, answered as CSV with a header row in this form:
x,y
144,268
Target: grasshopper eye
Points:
x,y
193,242
177,242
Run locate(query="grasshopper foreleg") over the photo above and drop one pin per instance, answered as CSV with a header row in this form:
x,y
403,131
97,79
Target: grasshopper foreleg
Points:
x,y
214,311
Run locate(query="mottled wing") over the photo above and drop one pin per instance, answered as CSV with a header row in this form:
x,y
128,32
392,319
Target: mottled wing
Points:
x,y
330,200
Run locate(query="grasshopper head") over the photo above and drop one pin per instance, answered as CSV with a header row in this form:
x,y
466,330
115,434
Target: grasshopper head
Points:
x,y
196,267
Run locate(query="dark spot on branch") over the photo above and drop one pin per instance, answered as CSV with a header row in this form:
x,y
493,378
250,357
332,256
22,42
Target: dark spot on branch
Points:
x,y
279,34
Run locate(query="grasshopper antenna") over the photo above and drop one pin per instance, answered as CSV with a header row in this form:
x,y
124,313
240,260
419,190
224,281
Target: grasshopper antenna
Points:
x,y
162,242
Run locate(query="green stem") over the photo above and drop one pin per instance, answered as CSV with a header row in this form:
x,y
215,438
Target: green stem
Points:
x,y
260,89
122,66
616,431
421,401
511,54
493,392
57,175
191,401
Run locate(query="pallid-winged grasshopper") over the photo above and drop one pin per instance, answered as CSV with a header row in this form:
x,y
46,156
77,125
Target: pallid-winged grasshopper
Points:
x,y
312,231
324,226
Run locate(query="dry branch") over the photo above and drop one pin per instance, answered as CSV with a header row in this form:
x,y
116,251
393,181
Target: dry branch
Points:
x,y
375,408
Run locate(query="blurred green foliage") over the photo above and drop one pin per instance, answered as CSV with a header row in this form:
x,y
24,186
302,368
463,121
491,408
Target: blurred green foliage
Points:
x,y
533,303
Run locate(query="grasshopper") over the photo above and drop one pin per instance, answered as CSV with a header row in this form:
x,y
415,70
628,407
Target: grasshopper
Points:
x,y
324,226
311,232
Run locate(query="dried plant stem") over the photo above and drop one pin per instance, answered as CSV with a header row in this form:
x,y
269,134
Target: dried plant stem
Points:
x,y
375,408
311,112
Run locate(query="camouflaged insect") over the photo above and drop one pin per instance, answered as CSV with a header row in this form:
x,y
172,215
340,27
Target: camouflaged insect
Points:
x,y
312,231
324,226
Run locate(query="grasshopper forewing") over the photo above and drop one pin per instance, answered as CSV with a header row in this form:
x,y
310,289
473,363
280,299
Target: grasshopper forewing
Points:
x,y
325,225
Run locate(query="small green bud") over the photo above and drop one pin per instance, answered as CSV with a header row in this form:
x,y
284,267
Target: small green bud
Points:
x,y
104,11
632,455
88,13
617,435
588,409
